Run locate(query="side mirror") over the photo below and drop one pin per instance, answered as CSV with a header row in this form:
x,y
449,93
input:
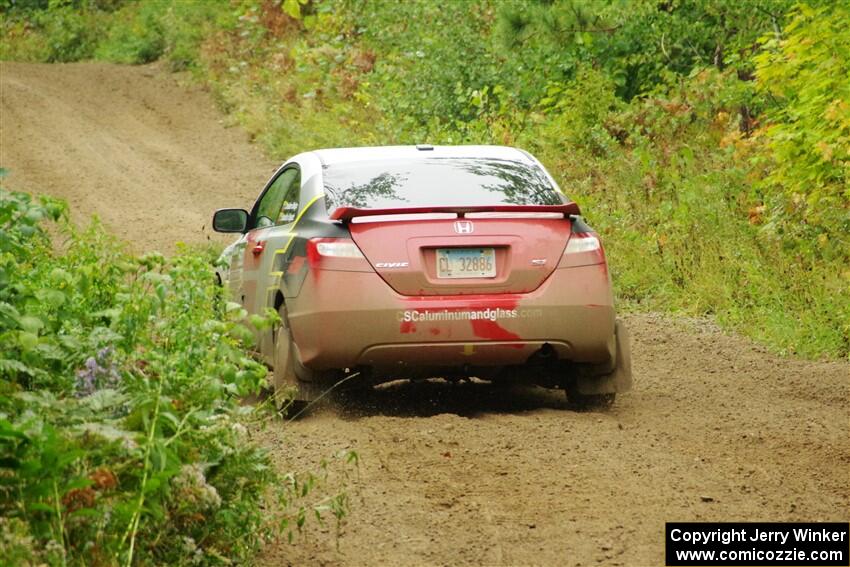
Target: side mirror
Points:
x,y
230,220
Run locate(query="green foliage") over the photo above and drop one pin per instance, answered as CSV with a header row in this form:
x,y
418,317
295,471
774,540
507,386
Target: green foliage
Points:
x,y
637,43
670,198
806,76
122,31
290,89
135,36
578,112
433,56
664,176
122,439
293,8
707,140
53,30
146,31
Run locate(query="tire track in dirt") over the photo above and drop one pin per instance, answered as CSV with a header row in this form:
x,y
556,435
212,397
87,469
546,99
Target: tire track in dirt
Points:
x,y
150,157
716,429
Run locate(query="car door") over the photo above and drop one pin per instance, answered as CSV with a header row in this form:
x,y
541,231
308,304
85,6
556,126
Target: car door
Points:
x,y
271,219
248,259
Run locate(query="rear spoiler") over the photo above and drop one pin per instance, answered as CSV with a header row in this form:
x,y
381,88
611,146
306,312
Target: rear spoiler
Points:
x,y
348,213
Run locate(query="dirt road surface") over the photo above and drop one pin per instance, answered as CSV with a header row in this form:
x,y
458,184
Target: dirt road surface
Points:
x,y
716,428
151,158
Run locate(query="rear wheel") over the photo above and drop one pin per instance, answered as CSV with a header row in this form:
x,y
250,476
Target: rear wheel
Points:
x,y
589,401
588,390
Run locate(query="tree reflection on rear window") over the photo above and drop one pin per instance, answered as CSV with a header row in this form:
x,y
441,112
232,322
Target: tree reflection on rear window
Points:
x,y
377,184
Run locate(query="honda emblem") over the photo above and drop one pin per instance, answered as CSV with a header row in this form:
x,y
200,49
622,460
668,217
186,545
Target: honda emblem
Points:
x,y
463,227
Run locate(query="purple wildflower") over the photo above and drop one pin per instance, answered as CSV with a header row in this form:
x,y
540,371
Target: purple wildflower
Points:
x,y
98,372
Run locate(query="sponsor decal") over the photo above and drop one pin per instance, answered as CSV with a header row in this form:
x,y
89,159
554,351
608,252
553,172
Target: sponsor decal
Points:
x,y
489,314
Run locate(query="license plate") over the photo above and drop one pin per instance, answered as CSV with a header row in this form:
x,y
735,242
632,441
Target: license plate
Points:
x,y
466,263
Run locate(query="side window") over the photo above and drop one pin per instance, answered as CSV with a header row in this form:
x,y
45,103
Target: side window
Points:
x,y
279,204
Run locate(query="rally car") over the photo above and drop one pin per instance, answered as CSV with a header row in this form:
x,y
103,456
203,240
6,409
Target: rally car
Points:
x,y
422,262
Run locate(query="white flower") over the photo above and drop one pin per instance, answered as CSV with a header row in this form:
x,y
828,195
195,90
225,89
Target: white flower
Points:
x,y
192,489
240,429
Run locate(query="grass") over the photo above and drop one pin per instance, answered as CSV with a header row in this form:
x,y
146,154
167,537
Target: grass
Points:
x,y
668,178
123,439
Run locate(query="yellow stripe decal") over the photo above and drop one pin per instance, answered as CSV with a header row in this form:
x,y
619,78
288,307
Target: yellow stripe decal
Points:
x,y
293,234
276,276
304,210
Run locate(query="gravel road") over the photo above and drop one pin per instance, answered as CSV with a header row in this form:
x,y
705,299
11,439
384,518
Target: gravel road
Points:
x,y
717,428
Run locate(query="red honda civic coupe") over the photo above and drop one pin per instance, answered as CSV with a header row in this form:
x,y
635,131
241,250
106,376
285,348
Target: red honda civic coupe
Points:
x,y
425,261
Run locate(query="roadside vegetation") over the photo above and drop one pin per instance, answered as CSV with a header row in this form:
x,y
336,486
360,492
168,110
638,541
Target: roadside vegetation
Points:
x,y
707,141
122,436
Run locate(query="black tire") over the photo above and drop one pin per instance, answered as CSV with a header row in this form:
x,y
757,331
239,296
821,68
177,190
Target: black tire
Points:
x,y
586,402
600,389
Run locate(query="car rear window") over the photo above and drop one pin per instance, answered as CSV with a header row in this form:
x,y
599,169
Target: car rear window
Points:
x,y
377,184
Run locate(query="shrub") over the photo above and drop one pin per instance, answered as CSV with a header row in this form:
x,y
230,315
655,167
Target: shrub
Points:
x,y
805,153
135,36
718,176
122,438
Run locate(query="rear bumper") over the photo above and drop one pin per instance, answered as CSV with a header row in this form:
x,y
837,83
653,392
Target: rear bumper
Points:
x,y
346,319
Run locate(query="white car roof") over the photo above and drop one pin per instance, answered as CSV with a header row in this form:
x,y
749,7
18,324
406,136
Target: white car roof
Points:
x,y
423,151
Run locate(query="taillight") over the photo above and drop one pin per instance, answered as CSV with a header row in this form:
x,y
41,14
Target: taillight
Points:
x,y
583,249
336,254
337,248
582,242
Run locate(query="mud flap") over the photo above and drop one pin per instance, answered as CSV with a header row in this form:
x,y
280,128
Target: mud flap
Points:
x,y
288,385
620,379
309,384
